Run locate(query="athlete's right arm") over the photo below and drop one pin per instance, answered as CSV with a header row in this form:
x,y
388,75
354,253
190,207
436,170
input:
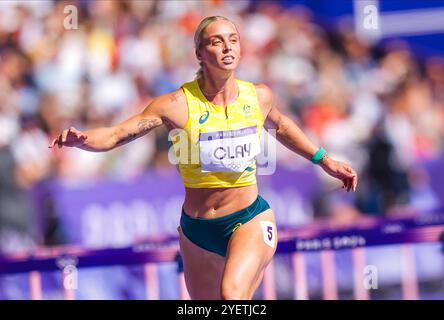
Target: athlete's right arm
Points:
x,y
107,138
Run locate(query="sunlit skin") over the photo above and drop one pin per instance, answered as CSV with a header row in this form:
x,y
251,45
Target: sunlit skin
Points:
x,y
208,275
220,40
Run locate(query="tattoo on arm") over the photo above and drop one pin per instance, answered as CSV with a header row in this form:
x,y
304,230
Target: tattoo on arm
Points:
x,y
128,138
282,125
147,124
143,126
173,97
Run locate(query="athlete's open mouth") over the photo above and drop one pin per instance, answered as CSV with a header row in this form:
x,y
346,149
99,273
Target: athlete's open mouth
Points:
x,y
228,59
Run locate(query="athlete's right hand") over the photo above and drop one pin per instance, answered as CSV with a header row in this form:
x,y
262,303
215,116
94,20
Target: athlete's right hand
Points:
x,y
70,138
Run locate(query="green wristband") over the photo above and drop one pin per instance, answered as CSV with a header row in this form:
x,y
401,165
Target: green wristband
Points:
x,y
317,157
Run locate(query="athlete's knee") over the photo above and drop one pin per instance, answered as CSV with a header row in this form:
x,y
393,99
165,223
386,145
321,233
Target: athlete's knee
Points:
x,y
231,291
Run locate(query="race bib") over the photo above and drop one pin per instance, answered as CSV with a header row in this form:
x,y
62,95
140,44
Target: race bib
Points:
x,y
229,150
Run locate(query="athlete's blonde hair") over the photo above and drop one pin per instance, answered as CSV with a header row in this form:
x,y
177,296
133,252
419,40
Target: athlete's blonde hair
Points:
x,y
198,36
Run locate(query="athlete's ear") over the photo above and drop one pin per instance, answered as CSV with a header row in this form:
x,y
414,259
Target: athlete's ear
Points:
x,y
198,55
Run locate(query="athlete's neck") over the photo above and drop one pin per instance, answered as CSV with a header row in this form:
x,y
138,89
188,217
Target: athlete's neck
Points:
x,y
219,90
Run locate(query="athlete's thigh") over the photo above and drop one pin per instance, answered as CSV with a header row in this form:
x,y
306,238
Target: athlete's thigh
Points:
x,y
202,269
250,249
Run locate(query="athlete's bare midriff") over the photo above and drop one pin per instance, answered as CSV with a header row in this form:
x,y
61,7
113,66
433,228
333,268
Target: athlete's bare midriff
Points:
x,y
217,202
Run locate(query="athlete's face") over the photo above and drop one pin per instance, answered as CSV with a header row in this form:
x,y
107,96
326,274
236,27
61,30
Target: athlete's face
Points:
x,y
220,46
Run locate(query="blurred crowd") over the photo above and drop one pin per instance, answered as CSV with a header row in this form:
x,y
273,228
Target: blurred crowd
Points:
x,y
378,107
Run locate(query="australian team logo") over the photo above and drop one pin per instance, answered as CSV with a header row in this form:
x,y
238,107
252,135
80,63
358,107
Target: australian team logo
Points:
x,y
247,109
204,117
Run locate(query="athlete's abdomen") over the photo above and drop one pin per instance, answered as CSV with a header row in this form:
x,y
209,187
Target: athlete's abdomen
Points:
x,y
217,202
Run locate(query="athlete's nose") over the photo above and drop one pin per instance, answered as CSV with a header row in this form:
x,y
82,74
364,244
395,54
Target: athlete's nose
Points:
x,y
227,46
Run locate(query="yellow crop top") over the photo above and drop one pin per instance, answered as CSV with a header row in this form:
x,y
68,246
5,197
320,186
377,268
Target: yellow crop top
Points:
x,y
218,149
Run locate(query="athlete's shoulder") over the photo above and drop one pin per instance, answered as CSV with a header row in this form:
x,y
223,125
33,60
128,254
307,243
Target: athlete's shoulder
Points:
x,y
264,94
263,89
171,99
166,104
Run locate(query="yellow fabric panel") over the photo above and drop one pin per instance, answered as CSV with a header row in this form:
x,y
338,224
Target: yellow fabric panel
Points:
x,y
203,116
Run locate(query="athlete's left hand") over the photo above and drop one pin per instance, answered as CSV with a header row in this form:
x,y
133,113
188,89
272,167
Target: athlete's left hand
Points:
x,y
341,171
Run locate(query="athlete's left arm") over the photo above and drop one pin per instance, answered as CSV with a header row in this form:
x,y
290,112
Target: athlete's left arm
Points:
x,y
290,135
